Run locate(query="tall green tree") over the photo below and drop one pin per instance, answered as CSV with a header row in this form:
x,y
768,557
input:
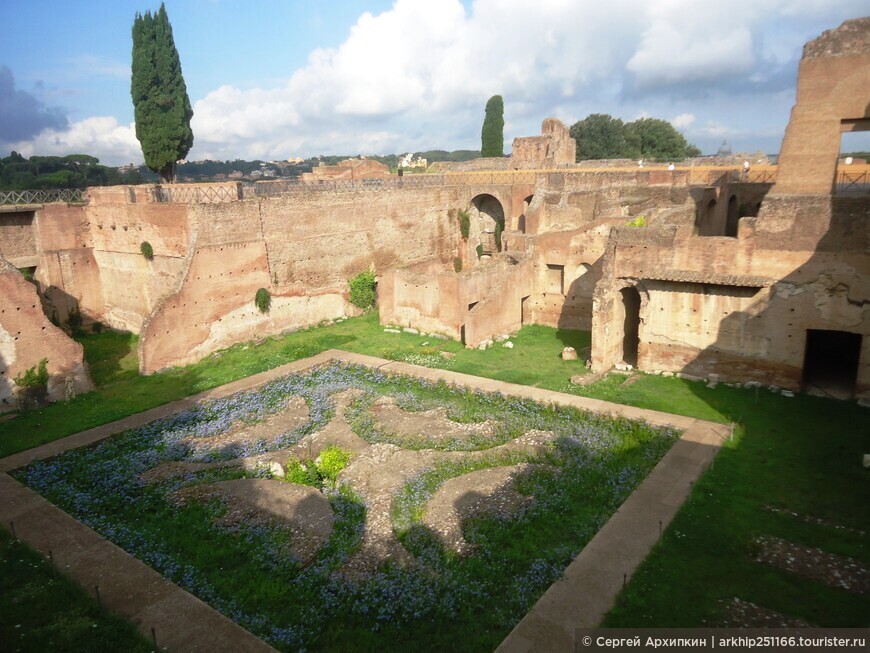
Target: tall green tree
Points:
x,y
492,134
162,108
657,139
599,136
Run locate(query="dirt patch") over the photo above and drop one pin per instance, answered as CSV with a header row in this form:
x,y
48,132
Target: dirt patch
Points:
x,y
434,425
815,564
293,415
815,520
302,509
744,614
487,491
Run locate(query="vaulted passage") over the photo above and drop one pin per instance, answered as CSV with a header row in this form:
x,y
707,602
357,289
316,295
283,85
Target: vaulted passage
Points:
x,y
831,363
630,339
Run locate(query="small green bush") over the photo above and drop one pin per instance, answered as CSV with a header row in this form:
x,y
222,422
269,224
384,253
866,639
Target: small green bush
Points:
x,y
457,264
331,461
35,377
74,321
362,290
263,300
147,250
302,473
464,223
639,221
479,250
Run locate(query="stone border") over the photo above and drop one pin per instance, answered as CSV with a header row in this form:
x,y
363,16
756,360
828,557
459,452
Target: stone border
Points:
x,y
580,599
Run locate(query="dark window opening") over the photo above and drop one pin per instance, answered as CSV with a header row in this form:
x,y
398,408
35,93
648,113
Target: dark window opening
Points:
x,y
631,325
831,363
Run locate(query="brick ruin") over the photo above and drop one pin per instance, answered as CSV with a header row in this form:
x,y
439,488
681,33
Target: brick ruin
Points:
x,y
744,282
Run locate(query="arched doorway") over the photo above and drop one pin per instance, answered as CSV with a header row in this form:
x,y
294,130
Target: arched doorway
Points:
x,y
490,218
631,325
521,221
733,218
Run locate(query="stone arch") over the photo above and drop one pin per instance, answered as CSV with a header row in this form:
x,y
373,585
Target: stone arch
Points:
x,y
490,220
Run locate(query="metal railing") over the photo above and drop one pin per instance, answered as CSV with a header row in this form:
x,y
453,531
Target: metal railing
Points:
x,y
45,196
853,182
195,194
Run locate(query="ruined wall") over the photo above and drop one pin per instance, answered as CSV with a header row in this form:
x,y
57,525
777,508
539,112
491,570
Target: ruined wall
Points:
x,y
738,307
27,336
833,96
554,148
303,248
17,237
473,305
89,256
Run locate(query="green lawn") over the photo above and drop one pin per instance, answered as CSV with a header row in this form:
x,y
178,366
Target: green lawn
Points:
x,y
801,453
43,611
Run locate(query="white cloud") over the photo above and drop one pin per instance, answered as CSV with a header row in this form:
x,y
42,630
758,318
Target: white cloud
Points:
x,y
683,120
101,136
418,75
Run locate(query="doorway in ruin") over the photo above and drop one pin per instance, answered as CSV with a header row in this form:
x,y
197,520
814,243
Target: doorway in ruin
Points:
x,y
631,325
831,363
521,221
490,220
525,315
733,218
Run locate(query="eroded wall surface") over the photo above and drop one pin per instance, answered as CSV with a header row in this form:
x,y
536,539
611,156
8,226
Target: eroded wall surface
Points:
x,y
27,336
303,248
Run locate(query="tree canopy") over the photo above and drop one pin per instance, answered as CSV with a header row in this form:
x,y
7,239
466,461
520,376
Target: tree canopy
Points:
x,y
492,134
160,101
601,136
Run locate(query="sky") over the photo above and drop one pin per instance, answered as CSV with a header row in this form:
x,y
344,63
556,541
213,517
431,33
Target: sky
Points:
x,y
275,79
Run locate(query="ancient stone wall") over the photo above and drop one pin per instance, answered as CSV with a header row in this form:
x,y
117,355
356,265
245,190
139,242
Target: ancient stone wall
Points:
x,y
17,238
833,96
303,248
27,336
90,257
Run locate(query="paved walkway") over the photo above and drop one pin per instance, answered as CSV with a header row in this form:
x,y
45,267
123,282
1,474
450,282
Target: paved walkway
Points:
x,y
182,622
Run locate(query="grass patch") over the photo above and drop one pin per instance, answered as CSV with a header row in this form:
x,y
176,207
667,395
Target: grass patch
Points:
x,y
246,571
44,611
799,453
802,454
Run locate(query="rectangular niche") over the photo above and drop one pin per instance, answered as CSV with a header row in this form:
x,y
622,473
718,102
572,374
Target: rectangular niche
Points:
x,y
556,278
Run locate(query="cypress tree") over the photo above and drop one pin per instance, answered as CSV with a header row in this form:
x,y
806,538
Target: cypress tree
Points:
x,y
492,134
162,108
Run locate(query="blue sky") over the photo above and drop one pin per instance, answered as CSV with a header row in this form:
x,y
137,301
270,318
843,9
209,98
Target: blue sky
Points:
x,y
275,79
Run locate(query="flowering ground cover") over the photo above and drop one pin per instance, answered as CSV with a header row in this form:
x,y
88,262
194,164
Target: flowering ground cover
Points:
x,y
573,471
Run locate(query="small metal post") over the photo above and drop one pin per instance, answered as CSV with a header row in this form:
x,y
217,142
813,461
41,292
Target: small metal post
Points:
x,y
660,529
12,527
99,599
154,637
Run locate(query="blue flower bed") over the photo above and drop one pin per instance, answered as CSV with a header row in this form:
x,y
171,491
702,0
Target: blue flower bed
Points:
x,y
440,602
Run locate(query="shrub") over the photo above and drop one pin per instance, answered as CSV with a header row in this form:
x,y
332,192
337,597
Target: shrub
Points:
x,y
331,461
499,228
263,300
457,264
74,321
362,290
301,473
147,250
464,223
479,250
639,221
35,377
